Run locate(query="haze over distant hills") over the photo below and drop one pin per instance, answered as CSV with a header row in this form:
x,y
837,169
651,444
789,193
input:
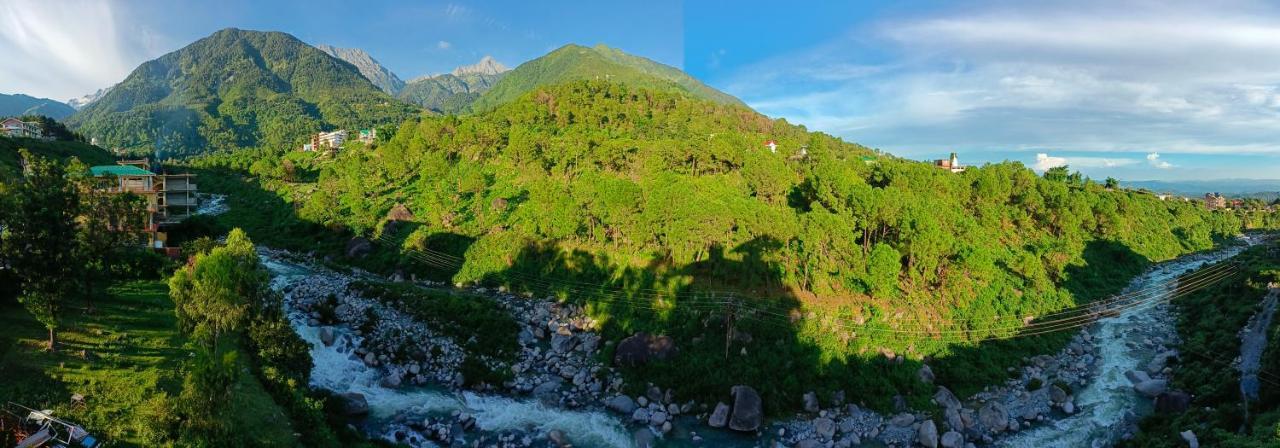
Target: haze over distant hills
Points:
x,y
1230,187
20,104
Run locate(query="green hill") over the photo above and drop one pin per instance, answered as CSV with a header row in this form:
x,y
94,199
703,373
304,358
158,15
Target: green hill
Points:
x,y
235,89
836,250
448,93
61,150
575,62
19,104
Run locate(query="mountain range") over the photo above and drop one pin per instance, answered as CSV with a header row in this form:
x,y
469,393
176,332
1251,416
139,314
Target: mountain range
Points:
x,y
373,71
19,104
236,89
1229,187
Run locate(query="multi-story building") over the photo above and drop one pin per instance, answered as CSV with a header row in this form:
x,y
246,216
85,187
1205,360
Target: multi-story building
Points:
x,y
1214,201
950,164
368,136
16,128
326,140
170,198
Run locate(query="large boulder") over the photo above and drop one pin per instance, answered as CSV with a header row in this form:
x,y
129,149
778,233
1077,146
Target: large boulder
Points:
x,y
719,417
1137,376
1174,401
952,439
994,417
925,374
1190,437
354,404
359,247
748,409
563,343
945,398
621,404
1151,388
811,402
640,348
824,427
326,336
927,435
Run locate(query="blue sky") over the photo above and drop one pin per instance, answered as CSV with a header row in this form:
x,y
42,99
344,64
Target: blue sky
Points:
x,y
1132,89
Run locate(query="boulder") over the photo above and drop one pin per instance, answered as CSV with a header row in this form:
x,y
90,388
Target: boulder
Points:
x,y
719,417
359,247
549,387
621,404
903,419
945,398
1058,395
641,415
925,374
563,344
748,410
1151,388
657,418
1173,401
927,434
1137,376
326,336
342,310
391,381
824,427
557,437
952,439
639,348
811,402
1191,439
993,417
354,404
643,438
954,421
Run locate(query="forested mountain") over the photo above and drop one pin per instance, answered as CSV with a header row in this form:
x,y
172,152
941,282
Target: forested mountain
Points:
x,y
50,149
19,104
450,92
236,89
369,67
575,62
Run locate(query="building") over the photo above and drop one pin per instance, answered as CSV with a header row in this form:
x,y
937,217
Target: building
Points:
x,y
952,164
1214,201
368,136
170,198
772,145
16,128
326,140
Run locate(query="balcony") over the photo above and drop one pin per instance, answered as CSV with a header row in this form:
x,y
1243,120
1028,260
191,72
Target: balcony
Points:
x,y
184,186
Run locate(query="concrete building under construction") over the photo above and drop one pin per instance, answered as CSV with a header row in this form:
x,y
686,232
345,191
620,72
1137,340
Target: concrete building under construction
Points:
x,y
170,198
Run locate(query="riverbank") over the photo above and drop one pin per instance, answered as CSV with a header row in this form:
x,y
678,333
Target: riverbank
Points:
x,y
559,376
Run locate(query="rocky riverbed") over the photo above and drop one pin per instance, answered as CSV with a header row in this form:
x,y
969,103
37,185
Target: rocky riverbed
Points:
x,y
406,377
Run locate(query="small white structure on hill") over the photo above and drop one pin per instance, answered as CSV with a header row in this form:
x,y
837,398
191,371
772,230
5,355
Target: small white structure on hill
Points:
x,y
772,145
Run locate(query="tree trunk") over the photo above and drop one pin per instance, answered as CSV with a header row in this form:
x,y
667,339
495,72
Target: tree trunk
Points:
x,y
52,341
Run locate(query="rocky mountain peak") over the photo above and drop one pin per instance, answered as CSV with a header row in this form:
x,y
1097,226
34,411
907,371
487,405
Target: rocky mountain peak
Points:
x,y
486,66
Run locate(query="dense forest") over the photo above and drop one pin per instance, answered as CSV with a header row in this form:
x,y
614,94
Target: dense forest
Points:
x,y
668,199
235,89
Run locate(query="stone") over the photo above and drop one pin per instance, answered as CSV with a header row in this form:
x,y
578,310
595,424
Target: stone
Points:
x,y
811,402
657,418
903,419
557,437
1137,376
952,417
1191,439
342,310
945,398
326,336
1069,407
654,394
748,409
354,404
824,427
548,387
1057,394
927,435
643,438
925,374
621,404
359,247
562,343
1151,388
993,417
391,381
641,415
639,348
1174,401
952,439
370,359
719,417
808,443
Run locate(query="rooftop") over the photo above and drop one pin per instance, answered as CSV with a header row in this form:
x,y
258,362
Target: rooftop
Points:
x,y
119,170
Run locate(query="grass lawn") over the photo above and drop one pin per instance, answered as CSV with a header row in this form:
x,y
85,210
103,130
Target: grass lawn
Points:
x,y
134,353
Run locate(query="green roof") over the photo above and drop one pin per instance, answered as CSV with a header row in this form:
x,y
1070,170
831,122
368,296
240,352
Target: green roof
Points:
x,y
119,170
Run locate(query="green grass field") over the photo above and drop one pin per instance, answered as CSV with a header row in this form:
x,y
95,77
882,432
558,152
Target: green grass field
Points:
x,y
135,354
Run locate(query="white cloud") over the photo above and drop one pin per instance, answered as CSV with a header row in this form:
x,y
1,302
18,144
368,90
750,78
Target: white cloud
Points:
x,y
1153,159
1045,161
65,49
444,45
1011,76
